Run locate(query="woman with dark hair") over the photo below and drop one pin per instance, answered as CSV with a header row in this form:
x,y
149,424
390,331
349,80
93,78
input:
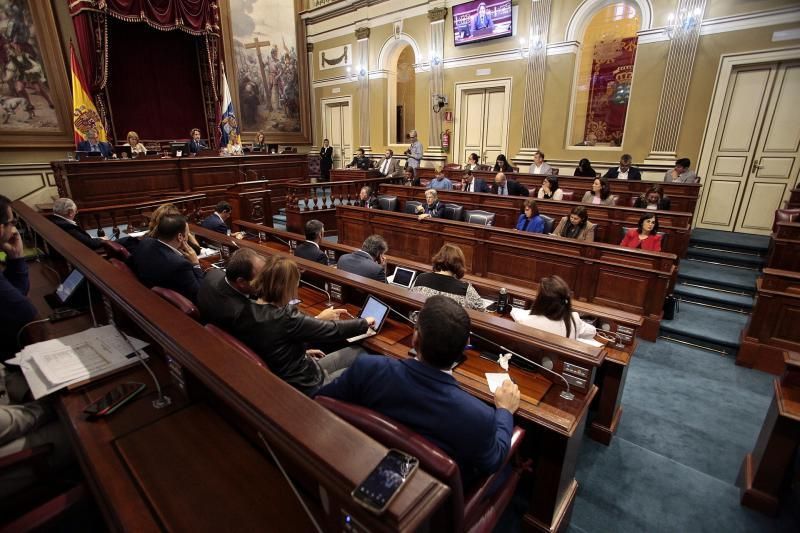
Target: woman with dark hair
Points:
x,y
448,269
645,235
552,312
600,193
549,189
576,225
501,164
530,219
585,169
280,331
654,199
472,162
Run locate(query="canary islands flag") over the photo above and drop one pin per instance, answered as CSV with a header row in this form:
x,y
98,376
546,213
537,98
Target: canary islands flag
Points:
x,y
229,126
84,113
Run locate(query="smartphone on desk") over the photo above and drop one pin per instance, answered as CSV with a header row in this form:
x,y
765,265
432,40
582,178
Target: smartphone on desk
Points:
x,y
114,399
385,481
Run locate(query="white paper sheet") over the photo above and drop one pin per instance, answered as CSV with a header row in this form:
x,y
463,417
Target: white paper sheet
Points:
x,y
495,380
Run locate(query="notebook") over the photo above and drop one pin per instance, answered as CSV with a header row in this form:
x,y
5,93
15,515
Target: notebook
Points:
x,y
377,310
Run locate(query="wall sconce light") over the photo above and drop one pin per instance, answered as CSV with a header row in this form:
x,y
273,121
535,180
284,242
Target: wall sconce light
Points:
x,y
685,20
533,43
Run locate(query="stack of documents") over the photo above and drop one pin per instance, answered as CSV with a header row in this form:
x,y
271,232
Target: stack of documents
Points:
x,y
52,365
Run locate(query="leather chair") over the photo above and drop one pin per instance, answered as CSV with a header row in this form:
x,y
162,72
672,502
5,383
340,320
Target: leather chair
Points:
x,y
632,200
115,249
472,509
549,223
567,195
236,343
411,207
387,203
121,266
453,212
178,300
785,215
477,216
555,172
485,168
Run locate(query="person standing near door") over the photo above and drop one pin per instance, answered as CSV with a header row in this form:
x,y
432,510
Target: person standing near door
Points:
x,y
326,160
414,152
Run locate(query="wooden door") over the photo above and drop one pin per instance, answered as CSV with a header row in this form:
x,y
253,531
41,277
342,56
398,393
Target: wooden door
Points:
x,y
338,126
483,124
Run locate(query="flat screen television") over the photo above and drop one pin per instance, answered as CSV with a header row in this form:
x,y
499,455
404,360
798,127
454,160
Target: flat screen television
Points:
x,y
481,20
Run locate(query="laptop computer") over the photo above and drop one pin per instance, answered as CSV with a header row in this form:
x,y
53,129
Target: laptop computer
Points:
x,y
66,294
377,310
403,277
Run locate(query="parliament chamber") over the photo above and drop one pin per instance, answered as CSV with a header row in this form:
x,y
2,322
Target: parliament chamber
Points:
x,y
546,253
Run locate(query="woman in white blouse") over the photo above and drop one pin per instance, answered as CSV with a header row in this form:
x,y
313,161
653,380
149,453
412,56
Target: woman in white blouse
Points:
x,y
549,189
539,166
137,148
552,312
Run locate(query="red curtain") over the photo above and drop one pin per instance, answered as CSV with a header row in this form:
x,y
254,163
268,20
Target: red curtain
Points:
x,y
609,90
199,17
154,85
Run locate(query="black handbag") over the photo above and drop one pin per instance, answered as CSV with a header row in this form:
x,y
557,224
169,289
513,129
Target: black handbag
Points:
x,y
670,307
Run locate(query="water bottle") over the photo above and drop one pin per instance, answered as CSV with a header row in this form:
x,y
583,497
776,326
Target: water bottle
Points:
x,y
502,301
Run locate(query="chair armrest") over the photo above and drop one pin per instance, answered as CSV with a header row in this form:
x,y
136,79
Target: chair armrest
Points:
x,y
37,453
475,496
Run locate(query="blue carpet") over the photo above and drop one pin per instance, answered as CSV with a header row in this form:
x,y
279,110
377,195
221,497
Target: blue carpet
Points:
x,y
726,257
714,297
718,275
711,325
727,239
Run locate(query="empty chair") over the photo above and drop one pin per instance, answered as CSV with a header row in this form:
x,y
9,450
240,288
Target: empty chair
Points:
x,y
567,195
178,300
453,212
116,250
785,215
476,216
387,203
121,266
236,343
478,508
548,224
632,200
411,207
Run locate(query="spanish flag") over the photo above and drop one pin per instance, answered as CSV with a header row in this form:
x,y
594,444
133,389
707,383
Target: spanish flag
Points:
x,y
84,113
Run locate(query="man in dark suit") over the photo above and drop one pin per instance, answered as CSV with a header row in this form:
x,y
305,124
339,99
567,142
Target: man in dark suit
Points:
x,y
366,198
625,171
93,144
325,160
168,261
224,295
432,208
195,145
422,393
360,161
309,249
64,211
369,261
216,220
470,183
507,187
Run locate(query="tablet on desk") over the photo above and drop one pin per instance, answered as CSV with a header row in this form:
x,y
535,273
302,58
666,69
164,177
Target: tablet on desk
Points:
x,y
63,295
403,277
377,310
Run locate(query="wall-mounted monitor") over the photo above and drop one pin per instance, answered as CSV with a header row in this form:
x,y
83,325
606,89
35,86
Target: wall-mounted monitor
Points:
x,y
481,20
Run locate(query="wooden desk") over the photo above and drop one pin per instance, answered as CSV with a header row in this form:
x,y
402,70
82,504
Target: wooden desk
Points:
x,y
611,375
794,199
773,325
200,464
352,174
631,280
784,247
99,182
610,220
556,425
764,470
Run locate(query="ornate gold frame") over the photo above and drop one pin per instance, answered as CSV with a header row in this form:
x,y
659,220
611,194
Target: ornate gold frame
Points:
x,y
47,35
304,135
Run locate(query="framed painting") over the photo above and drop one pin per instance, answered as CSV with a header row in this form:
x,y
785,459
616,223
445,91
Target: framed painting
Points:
x,y
35,96
267,69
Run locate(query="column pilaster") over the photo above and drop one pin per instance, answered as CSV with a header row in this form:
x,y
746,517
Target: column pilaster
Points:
x,y
362,70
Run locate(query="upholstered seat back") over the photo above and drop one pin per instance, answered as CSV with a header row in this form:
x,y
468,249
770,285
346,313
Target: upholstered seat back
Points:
x,y
568,196
478,216
411,206
548,224
236,343
387,203
785,215
115,249
453,211
121,266
178,300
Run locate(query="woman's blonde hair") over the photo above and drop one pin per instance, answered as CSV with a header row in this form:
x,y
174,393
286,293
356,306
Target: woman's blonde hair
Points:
x,y
278,281
132,134
158,214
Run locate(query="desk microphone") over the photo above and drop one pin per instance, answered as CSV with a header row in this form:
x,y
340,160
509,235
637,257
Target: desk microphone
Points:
x,y
320,289
401,315
567,395
162,400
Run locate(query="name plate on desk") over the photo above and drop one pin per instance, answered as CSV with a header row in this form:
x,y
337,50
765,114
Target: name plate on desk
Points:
x,y
262,236
331,256
519,303
176,374
336,292
292,246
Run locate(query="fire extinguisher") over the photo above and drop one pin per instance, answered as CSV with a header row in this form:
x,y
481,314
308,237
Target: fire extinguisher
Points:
x,y
446,140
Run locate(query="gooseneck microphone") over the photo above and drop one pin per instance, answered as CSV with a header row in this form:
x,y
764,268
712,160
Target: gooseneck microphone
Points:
x,y
566,394
320,289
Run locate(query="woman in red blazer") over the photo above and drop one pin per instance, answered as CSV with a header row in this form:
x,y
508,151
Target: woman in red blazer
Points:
x,y
645,236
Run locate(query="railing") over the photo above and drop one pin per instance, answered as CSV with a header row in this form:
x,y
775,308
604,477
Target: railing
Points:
x,y
318,196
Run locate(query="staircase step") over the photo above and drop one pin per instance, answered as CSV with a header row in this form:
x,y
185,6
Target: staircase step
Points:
x,y
716,329
719,276
279,218
714,297
725,257
726,240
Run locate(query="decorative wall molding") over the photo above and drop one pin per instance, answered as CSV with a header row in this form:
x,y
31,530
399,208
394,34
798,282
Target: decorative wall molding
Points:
x,y
534,79
336,57
746,21
581,16
32,183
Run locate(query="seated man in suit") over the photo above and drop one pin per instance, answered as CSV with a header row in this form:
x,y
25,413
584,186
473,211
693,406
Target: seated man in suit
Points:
x,y
470,183
388,166
360,161
216,220
625,171
168,261
369,261
432,208
422,394
506,187
410,179
195,145
366,198
681,173
309,249
224,298
64,211
93,144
